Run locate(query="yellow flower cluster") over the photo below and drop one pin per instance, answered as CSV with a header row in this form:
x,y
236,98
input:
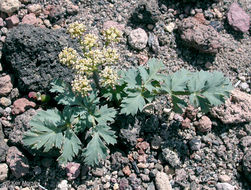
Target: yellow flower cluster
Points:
x,y
83,66
111,55
96,56
108,77
112,34
81,84
68,56
76,29
90,41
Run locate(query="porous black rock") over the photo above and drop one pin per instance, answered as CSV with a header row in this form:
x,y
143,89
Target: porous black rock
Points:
x,y
31,53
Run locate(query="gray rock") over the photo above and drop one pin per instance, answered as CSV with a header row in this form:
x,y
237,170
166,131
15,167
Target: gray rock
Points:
x,y
224,186
153,42
32,54
246,141
238,18
3,146
147,12
21,125
138,39
17,162
9,6
63,185
98,172
3,172
171,157
123,184
247,164
162,181
244,86
195,144
151,186
199,36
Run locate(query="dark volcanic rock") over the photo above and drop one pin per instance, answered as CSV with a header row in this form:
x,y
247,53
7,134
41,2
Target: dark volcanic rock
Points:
x,y
32,53
147,12
21,125
247,165
199,36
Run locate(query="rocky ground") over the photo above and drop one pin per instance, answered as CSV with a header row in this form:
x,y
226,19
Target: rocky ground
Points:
x,y
158,150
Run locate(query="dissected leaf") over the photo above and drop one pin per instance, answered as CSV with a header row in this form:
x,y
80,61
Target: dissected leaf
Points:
x,y
105,114
71,147
133,103
94,151
178,104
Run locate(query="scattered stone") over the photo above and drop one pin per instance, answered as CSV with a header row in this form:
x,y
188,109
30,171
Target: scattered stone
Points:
x,y
107,185
200,17
110,23
98,172
180,175
224,186
156,142
17,162
5,101
3,172
147,12
35,8
224,178
153,42
246,142
1,22
238,18
72,170
34,59
247,164
204,124
30,19
170,27
123,184
195,144
186,123
22,104
199,36
9,6
142,59
237,108
144,177
5,85
63,185
171,157
3,145
244,86
138,39
162,181
12,21
126,170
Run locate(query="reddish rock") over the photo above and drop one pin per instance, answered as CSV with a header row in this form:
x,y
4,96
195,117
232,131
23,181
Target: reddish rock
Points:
x,y
142,59
186,123
17,162
143,145
237,109
127,171
1,22
191,112
5,85
238,18
200,17
110,23
204,124
201,37
29,19
72,170
12,21
22,104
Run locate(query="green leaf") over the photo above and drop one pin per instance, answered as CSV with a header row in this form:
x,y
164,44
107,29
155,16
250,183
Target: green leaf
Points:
x,y
105,114
106,133
65,94
178,104
97,147
131,104
94,151
71,147
132,78
46,131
